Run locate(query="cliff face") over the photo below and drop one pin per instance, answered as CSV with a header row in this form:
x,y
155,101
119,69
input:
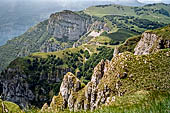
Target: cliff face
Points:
x,y
65,27
149,43
27,89
68,25
119,77
96,29
126,73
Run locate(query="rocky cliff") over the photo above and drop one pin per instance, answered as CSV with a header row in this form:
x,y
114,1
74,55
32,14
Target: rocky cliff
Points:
x,y
65,27
125,74
27,88
150,43
68,25
147,43
111,79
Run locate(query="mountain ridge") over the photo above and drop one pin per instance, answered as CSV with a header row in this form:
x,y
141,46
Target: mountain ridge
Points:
x,y
124,74
112,24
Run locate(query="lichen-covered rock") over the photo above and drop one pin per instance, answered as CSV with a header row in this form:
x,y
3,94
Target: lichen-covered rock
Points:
x,y
70,84
66,98
149,43
17,92
126,73
98,73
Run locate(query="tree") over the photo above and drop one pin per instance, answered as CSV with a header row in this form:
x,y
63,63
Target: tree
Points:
x,y
81,51
86,54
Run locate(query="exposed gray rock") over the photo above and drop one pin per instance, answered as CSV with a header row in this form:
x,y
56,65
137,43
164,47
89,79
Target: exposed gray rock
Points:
x,y
67,25
150,43
17,87
69,85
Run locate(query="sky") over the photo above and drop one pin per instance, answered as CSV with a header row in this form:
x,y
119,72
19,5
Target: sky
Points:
x,y
142,1
154,1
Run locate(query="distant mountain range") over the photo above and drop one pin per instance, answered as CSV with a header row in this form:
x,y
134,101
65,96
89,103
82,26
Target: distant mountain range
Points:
x,y
106,55
17,16
121,22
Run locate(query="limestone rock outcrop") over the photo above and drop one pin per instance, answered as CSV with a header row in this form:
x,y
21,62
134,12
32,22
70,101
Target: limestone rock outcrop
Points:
x,y
29,89
112,79
68,25
149,43
75,97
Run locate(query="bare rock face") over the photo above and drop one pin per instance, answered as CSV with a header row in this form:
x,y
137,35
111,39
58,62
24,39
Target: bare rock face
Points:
x,y
24,90
75,98
150,43
91,33
110,80
98,73
67,25
69,85
17,92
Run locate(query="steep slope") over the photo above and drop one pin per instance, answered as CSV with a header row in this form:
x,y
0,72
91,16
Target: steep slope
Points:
x,y
61,26
149,42
66,29
35,79
121,76
124,75
18,16
153,12
9,107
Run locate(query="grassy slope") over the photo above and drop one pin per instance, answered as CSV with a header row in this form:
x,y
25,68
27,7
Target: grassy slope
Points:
x,y
27,40
63,54
11,107
122,27
146,72
148,77
130,11
140,102
125,21
109,10
129,44
146,85
162,32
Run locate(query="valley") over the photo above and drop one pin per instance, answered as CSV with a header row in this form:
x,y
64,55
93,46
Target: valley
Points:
x,y
106,58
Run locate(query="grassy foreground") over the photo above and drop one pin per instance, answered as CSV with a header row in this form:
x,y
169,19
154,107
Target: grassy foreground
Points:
x,y
139,102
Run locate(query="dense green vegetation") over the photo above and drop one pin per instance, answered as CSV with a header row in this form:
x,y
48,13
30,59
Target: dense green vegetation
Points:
x,y
21,44
140,102
123,22
46,70
9,107
147,76
153,12
146,84
86,70
129,44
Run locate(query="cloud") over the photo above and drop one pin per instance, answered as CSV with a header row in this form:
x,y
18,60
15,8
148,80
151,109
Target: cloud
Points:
x,y
130,1
154,1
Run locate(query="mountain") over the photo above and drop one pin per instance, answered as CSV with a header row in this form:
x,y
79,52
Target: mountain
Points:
x,y
112,23
127,74
17,16
76,61
35,79
39,37
43,72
